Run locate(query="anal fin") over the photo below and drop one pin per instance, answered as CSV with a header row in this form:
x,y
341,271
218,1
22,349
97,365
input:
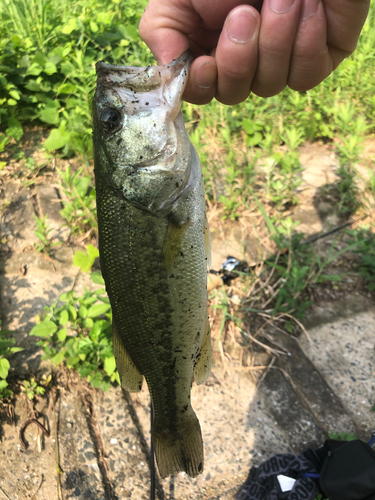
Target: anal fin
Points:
x,y
202,368
131,378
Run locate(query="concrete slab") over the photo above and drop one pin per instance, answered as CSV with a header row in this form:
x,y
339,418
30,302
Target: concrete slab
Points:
x,y
344,353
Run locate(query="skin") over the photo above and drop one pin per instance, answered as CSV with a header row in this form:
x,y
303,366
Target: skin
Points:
x,y
253,45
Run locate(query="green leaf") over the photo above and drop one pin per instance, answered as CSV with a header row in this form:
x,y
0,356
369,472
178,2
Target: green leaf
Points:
x,y
82,260
93,26
50,114
14,129
88,323
109,365
66,88
50,68
92,251
131,32
85,260
4,367
97,278
3,142
82,312
72,312
98,309
44,329
57,139
13,350
15,94
64,317
61,334
59,357
73,360
70,26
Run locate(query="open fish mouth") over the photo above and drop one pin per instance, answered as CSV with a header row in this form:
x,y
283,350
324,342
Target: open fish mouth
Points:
x,y
139,123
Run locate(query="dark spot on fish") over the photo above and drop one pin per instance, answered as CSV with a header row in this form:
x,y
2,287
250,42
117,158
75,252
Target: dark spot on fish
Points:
x,y
181,254
171,276
118,142
147,103
140,157
154,124
191,246
183,357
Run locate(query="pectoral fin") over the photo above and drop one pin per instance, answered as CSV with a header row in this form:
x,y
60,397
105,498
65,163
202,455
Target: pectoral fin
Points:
x,y
131,378
202,368
207,241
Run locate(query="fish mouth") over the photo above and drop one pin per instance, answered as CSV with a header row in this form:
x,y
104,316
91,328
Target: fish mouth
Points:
x,y
156,164
138,79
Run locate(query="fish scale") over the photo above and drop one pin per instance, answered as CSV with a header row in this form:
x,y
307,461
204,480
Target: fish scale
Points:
x,y
153,243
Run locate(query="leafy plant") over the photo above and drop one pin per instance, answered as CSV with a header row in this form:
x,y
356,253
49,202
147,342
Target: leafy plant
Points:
x,y
77,330
365,250
6,350
47,73
32,389
80,204
43,231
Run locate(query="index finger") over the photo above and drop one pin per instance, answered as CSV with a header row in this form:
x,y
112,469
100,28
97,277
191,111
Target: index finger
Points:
x,y
164,28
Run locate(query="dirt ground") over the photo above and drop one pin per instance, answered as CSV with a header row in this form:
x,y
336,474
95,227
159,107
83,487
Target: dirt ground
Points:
x,y
324,381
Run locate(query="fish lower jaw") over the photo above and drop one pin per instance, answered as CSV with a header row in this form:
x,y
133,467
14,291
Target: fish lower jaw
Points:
x,y
159,166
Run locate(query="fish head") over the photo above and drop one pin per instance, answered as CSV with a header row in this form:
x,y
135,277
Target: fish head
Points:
x,y
139,131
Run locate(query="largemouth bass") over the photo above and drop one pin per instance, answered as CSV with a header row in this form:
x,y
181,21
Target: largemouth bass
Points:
x,y
154,248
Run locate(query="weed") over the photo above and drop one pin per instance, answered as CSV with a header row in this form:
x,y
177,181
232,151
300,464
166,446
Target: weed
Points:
x,y
32,389
364,238
77,330
7,348
80,204
42,232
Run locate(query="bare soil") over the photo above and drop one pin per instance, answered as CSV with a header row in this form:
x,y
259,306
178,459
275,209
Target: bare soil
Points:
x,y
254,405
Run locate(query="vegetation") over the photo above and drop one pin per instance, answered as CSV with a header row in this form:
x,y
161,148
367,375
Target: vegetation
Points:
x,y
7,348
249,154
79,331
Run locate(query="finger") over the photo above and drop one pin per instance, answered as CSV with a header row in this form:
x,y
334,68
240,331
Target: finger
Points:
x,y
345,19
278,30
164,27
201,87
237,55
311,61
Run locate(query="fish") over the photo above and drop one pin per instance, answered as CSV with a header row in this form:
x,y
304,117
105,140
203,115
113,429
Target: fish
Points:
x,y
155,248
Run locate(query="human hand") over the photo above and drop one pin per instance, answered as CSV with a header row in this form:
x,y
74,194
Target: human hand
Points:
x,y
291,42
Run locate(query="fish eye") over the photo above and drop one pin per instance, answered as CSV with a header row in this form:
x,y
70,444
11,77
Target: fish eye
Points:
x,y
111,119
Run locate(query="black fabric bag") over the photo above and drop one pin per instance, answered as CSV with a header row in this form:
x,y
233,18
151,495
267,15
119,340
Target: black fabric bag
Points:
x,y
344,470
347,469
262,482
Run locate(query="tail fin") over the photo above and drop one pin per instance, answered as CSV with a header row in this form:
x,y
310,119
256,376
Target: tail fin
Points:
x,y
180,451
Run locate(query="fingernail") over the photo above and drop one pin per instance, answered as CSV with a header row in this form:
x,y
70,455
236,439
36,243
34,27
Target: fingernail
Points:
x,y
242,24
309,8
281,6
205,75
